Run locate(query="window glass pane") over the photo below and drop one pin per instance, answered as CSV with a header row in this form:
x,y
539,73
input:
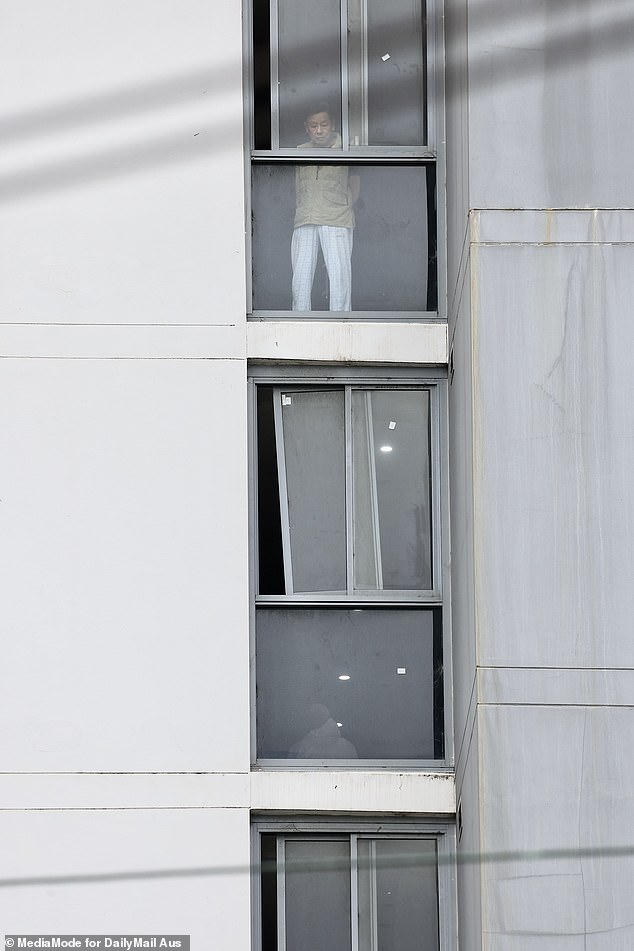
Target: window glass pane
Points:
x,y
314,458
390,705
391,490
317,899
302,494
317,248
368,573
309,65
395,75
383,81
398,902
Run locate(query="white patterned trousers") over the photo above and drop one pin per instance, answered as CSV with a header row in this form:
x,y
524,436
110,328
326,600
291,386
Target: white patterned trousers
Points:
x,y
336,247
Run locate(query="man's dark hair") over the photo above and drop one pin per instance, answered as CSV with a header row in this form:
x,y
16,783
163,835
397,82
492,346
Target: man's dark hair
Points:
x,y
316,107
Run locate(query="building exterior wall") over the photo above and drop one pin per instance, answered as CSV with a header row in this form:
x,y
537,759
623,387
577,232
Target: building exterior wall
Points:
x,y
552,598
126,788
540,413
135,846
125,745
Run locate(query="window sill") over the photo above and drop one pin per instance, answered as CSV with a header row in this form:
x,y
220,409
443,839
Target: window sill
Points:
x,y
357,790
350,341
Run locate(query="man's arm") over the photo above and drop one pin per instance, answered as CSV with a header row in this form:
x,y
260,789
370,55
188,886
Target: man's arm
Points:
x,y
354,188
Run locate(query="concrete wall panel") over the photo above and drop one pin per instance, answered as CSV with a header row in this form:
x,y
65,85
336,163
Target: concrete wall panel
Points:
x,y
557,778
125,565
122,152
554,454
146,856
549,111
457,125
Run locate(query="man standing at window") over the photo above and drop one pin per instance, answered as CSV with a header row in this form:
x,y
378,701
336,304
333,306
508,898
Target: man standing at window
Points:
x,y
324,216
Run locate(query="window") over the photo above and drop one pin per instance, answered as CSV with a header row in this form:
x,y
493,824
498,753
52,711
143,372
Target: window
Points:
x,y
356,684
344,124
368,59
392,263
345,495
348,625
376,888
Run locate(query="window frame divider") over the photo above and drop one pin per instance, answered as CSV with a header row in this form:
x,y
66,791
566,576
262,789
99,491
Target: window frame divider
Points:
x,y
343,53
352,828
280,873
275,77
349,491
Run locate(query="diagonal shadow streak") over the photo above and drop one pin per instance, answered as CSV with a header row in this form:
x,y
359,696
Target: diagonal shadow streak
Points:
x,y
564,48
433,859
119,103
112,163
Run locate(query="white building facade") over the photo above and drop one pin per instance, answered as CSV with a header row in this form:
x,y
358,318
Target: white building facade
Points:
x,y
204,561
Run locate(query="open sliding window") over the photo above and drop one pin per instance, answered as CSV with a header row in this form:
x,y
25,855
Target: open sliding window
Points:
x,y
352,513
367,58
344,124
366,890
349,646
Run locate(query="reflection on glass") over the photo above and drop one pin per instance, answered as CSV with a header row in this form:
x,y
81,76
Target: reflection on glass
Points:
x,y
314,517
394,87
317,895
390,708
381,78
385,268
308,63
324,739
336,891
341,508
398,901
391,497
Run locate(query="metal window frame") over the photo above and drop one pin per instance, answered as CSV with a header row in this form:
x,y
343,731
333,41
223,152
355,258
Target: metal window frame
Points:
x,y
367,316
280,446
398,158
324,375
427,596
440,765
428,20
434,151
351,829
374,502
376,154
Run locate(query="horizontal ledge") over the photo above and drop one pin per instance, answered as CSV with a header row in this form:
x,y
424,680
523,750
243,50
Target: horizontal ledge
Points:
x,y
363,316
296,341
362,791
533,686
546,226
308,790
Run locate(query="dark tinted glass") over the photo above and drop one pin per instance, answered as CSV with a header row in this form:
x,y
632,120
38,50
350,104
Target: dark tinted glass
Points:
x,y
391,233
348,684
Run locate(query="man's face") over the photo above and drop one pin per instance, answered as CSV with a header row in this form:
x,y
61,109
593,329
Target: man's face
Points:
x,y
320,129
